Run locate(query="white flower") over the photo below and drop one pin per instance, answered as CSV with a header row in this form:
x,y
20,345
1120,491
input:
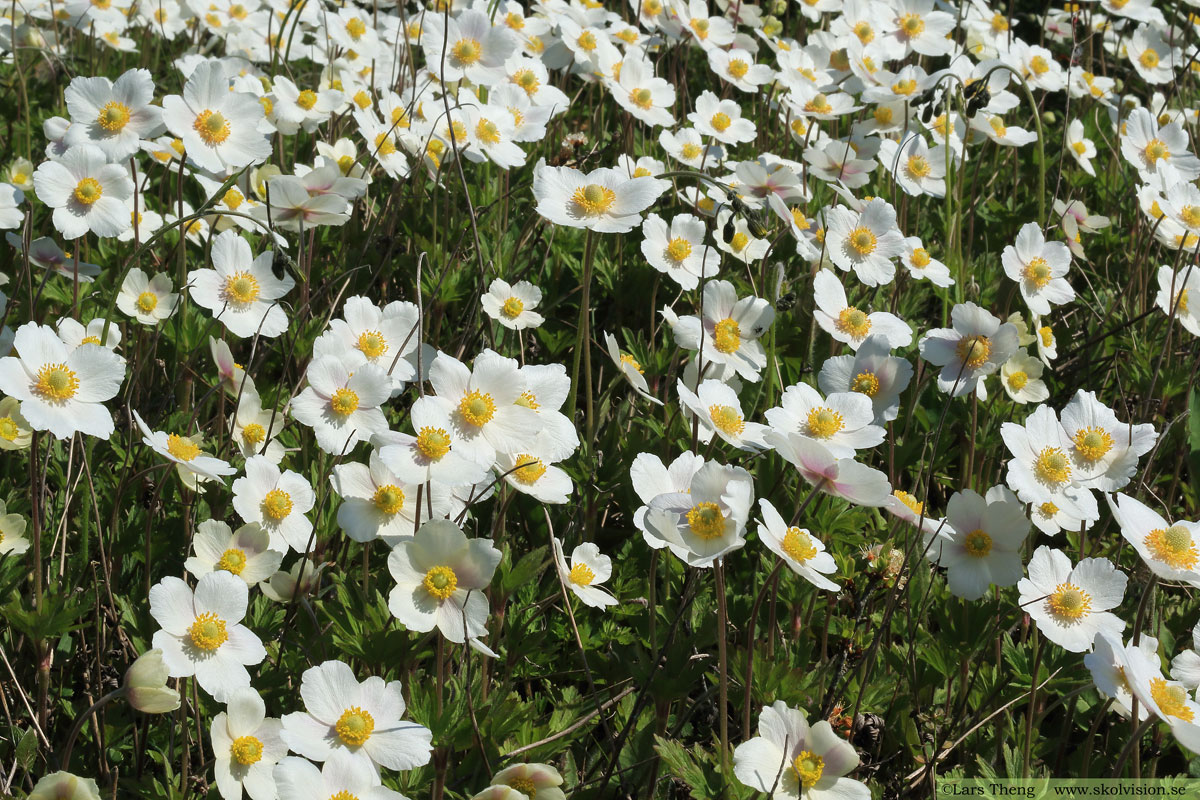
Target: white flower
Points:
x,y
680,251
980,541
1043,473
1109,662
148,300
241,290
1082,149
294,208
12,533
15,433
716,407
11,215
297,779
468,46
440,577
389,338
531,780
1174,291
219,128
276,500
1071,604
1039,268
1150,147
603,200
1105,451
706,520
975,347
589,568
61,390
1152,58
688,148
438,453
840,477
246,746
629,368
736,67
376,504
113,115
512,305
803,553
86,192
184,452
721,119
342,402
245,552
865,241
353,725
1171,551
728,335
534,475
790,760
871,371
202,634
843,422
1021,377
255,429
647,97
64,786
849,324
917,168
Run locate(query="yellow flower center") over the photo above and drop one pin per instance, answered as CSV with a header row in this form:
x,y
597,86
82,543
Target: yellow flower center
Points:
x,y
147,302
1069,602
344,402
512,307
593,200
56,382
738,68
1182,302
232,560
1047,335
690,151
307,99
1092,443
433,442
1052,466
912,24
477,408
88,191
862,240
726,419
1048,509
113,116
1173,546
253,433
528,399
977,543
466,51
487,132
441,582
1038,65
727,336
1079,147
818,105
528,469
706,520
514,21
1156,149
372,344
678,249
720,121
630,361
700,27
973,351
384,146
1171,699
642,98
242,287
582,575
527,79
355,27
1017,380
8,429
1148,58
998,126
739,242
587,41
798,545
864,32
355,725
1037,272
277,504
918,166
883,115
345,163
824,422
1190,216
865,383
854,323
911,502
211,127
181,448
389,499
208,632
808,768
246,750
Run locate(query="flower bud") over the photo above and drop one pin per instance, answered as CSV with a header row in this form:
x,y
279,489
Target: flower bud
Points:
x,y
283,586
65,786
146,685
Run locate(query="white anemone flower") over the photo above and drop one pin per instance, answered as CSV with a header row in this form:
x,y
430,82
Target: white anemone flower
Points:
x,y
148,300
12,533
376,504
437,452
717,409
588,569
842,422
342,402
1070,604
1042,472
804,553
184,452
534,474
849,324
629,368
246,745
86,192
202,634
1039,268
468,46
651,478
352,724
980,542
61,390
603,200
241,289
255,430
1175,289
512,305
1150,147
645,96
389,338
1109,662
1021,377
219,128
297,779
789,759
708,520
680,250
15,432
1081,148
1105,451
975,347
688,148
1172,552
865,241
278,501
728,335
872,371
917,168
113,115
245,552
721,119
840,477
737,68
440,577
